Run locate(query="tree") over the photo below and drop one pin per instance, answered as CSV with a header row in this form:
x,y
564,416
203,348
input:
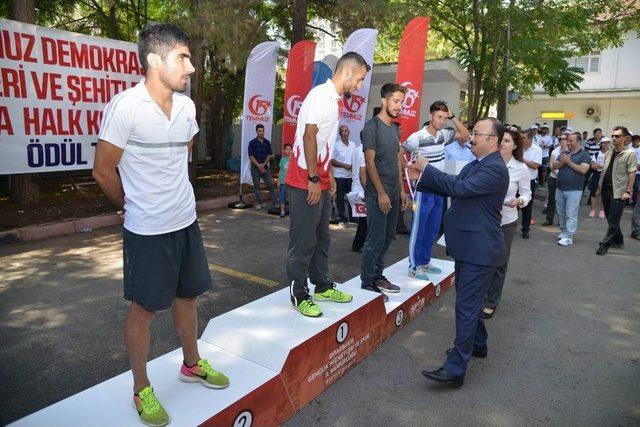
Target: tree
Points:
x,y
25,189
543,36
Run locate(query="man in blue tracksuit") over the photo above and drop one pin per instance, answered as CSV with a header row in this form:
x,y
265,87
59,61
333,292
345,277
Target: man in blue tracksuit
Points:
x,y
428,206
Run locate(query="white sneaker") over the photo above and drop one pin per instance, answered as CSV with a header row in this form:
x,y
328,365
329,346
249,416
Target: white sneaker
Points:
x,y
259,206
560,236
565,241
343,224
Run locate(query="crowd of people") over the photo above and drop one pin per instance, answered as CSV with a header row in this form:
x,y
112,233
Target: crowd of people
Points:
x,y
141,164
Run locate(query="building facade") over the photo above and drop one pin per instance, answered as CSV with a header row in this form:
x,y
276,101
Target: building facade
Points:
x,y
608,96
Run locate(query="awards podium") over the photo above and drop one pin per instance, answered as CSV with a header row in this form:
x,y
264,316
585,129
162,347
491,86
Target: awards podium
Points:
x,y
276,359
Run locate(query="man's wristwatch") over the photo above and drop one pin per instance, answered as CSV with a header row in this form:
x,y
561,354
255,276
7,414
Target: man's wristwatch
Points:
x,y
315,179
451,117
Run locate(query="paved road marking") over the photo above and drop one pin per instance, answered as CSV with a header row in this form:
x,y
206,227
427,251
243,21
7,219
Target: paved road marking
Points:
x,y
244,276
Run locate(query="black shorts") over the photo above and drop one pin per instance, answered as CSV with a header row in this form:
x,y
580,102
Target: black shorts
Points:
x,y
159,268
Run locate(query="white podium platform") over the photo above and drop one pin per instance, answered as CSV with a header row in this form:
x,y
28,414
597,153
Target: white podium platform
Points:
x,y
110,404
277,360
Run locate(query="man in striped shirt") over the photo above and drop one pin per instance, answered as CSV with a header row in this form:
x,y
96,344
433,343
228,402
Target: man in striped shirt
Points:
x,y
430,142
592,147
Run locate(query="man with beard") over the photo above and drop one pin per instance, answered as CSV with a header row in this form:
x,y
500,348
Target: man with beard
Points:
x,y
141,165
310,184
430,142
384,191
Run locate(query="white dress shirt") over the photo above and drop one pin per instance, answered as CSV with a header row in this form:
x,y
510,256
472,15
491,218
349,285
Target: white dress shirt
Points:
x,y
343,153
533,154
519,182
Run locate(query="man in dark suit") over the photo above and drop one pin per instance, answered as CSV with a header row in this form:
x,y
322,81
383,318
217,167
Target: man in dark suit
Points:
x,y
473,237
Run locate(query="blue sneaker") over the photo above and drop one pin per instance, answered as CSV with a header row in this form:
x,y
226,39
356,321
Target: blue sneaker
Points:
x,y
419,273
432,269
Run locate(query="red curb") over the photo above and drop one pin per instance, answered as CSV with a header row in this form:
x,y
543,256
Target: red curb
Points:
x,y
72,226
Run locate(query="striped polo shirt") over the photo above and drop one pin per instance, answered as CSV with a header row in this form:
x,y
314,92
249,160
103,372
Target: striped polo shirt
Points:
x,y
154,164
430,146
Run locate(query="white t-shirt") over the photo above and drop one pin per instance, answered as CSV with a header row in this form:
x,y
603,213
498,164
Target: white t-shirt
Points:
x,y
554,156
430,146
533,154
520,183
343,153
357,162
598,159
546,141
154,165
320,108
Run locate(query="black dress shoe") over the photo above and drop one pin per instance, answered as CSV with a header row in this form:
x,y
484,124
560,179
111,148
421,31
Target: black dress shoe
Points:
x,y
547,223
442,376
475,353
602,250
525,234
488,315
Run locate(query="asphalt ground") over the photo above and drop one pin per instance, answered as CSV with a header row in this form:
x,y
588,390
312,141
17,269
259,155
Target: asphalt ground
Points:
x,y
564,346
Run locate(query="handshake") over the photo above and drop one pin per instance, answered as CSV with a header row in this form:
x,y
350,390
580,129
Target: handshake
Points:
x,y
415,167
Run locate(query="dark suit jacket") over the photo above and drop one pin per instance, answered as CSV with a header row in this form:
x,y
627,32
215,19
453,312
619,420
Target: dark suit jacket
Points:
x,y
472,223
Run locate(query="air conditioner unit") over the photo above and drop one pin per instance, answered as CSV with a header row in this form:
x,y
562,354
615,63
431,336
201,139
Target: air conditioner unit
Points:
x,y
592,111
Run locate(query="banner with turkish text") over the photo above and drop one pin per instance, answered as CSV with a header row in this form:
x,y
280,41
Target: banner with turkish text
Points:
x,y
298,84
410,73
257,107
54,86
362,41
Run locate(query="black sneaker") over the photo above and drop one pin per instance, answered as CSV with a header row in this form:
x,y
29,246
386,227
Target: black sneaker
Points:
x,y
602,250
373,288
386,286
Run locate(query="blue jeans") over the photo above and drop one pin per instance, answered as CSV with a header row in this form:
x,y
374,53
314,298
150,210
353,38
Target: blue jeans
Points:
x,y
567,207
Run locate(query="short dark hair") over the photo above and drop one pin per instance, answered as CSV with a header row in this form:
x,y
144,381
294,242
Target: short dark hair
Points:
x,y
389,89
624,130
376,110
635,137
259,126
425,124
497,127
597,130
439,106
351,58
159,38
578,136
287,145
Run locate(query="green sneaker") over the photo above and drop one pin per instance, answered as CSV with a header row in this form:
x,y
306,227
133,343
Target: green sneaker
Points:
x,y
308,307
204,373
332,295
149,409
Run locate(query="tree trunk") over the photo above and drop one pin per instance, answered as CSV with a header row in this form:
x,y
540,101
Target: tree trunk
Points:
x,y
24,188
299,25
197,87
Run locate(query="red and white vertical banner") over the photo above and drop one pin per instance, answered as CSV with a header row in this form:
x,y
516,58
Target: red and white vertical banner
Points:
x,y
411,71
257,107
53,87
298,84
362,41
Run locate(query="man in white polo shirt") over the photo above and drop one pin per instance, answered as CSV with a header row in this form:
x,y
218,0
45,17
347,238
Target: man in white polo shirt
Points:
x,y
532,157
310,184
341,162
146,134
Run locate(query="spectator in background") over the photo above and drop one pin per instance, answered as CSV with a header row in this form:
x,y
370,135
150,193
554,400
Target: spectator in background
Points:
x,y
358,182
620,167
585,135
572,166
546,143
597,164
260,155
592,147
341,161
518,194
283,166
459,151
532,157
552,183
635,219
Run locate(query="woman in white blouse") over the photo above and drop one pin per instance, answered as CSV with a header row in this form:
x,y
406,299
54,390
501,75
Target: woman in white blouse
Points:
x,y
518,195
